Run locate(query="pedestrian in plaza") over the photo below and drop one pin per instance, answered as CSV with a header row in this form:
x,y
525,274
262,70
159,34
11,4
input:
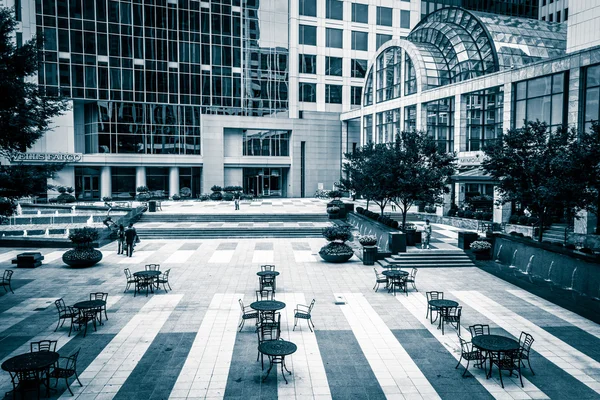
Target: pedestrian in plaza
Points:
x,y
121,239
393,207
130,238
236,201
426,235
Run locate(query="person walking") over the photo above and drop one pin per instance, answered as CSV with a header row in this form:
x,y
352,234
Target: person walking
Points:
x,y
236,201
121,239
130,238
426,236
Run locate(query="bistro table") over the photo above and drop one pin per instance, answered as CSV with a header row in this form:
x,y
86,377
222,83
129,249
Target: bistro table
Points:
x,y
87,305
494,344
149,277
273,274
265,307
443,306
395,274
35,362
276,350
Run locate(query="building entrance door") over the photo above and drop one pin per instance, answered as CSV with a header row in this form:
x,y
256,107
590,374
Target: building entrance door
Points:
x,y
263,182
89,187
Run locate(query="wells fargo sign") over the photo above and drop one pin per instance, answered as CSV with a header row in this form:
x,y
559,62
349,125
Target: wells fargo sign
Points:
x,y
47,157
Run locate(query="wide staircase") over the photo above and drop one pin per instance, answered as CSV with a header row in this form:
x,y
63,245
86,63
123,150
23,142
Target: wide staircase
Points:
x,y
240,226
556,232
428,259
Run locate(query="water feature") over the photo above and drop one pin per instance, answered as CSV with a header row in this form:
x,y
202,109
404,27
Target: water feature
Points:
x,y
47,233
528,269
90,221
513,261
67,233
73,210
549,279
25,233
573,279
498,255
39,212
19,210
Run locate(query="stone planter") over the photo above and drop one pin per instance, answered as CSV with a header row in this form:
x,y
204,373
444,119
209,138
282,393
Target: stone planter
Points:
x,y
483,255
369,255
335,258
413,237
82,258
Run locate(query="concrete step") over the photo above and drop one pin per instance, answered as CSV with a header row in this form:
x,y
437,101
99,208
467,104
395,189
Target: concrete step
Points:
x,y
158,217
428,259
228,233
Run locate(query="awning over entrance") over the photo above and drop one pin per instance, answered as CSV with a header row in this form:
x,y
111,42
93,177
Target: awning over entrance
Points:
x,y
474,175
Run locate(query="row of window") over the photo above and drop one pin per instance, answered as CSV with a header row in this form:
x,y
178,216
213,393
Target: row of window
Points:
x,y
307,64
307,92
334,9
551,16
334,38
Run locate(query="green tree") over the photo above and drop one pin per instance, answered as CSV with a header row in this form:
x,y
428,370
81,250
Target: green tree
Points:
x,y
25,112
419,169
367,173
588,156
537,167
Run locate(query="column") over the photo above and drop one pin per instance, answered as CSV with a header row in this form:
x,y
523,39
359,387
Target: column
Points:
x,y
173,181
501,211
105,182
140,177
446,202
585,223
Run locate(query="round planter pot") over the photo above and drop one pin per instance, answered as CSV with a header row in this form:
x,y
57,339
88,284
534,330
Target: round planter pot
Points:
x,y
335,258
87,258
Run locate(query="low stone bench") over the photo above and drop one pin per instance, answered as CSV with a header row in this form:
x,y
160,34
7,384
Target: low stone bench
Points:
x,y
28,260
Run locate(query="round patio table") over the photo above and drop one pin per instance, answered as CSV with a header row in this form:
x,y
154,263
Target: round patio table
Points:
x,y
442,305
395,274
267,273
276,350
494,344
148,276
267,305
89,304
35,362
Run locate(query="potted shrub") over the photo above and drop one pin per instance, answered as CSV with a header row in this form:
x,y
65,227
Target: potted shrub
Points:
x,y
336,251
216,193
176,197
413,237
333,212
367,240
185,192
83,255
481,249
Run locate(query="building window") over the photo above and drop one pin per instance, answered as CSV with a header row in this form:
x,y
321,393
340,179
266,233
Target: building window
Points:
x,y
271,143
123,182
405,19
355,95
551,17
384,16
308,92
382,38
388,74
566,14
333,66
360,13
368,128
440,123
368,100
540,98
333,94
591,105
334,9
410,118
359,68
334,38
388,125
307,63
308,8
543,17
307,34
485,110
410,76
543,3
360,41
558,16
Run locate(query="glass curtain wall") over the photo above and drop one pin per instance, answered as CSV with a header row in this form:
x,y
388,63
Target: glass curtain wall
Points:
x,y
440,123
266,143
592,95
123,183
368,129
388,74
410,118
410,76
264,182
485,110
388,125
541,98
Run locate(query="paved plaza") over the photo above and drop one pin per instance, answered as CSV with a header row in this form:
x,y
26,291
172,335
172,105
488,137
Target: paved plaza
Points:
x,y
371,345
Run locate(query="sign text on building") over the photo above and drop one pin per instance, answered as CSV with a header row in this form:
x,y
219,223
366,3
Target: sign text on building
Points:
x,y
47,157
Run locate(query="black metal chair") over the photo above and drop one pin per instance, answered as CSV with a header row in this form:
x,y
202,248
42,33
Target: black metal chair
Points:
x,y
142,283
64,312
66,371
412,278
508,361
379,278
304,312
83,318
268,330
130,279
164,279
451,315
469,353
6,278
152,267
525,342
43,345
24,382
266,283
479,329
397,283
264,295
100,296
247,313
267,267
433,295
